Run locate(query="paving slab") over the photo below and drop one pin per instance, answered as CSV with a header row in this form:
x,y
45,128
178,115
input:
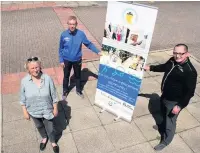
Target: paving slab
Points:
x,y
194,110
192,138
96,64
145,124
90,90
141,107
59,89
29,147
83,118
197,91
153,102
198,79
141,148
94,140
105,117
146,74
169,52
12,112
123,134
87,3
196,64
8,98
195,98
151,61
158,78
149,85
186,121
20,131
76,102
160,57
67,144
91,67
176,146
6,2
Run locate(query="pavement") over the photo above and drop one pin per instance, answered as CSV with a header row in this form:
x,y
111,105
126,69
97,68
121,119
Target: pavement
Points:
x,y
82,129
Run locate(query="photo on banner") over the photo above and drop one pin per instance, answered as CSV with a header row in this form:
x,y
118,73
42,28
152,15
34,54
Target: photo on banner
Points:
x,y
126,41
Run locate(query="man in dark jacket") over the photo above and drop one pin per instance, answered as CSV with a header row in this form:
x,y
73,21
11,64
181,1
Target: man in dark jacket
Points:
x,y
178,86
70,54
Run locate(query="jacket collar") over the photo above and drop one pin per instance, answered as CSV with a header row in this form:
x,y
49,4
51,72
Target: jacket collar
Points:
x,y
72,33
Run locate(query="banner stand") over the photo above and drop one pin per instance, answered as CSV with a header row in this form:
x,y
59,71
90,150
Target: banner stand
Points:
x,y
118,116
126,42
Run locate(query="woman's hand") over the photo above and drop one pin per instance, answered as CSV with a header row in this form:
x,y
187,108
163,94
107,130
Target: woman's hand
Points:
x,y
55,109
26,114
55,112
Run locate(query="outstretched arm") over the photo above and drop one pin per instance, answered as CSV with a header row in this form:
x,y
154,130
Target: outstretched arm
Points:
x,y
90,45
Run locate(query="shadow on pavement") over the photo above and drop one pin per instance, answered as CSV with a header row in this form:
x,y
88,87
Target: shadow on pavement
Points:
x,y
63,118
85,74
154,106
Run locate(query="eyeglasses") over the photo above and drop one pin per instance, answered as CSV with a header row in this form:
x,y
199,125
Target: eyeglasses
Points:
x,y
180,54
72,24
32,59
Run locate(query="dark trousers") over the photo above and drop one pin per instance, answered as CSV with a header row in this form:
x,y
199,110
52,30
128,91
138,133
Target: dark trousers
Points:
x,y
45,128
77,73
167,127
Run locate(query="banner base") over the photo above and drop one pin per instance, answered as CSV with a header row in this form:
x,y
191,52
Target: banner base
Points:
x,y
118,116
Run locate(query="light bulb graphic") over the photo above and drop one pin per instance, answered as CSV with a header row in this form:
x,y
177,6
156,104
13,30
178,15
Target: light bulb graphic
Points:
x,y
129,17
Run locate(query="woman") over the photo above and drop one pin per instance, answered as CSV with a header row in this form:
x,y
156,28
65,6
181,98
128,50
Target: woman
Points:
x,y
39,101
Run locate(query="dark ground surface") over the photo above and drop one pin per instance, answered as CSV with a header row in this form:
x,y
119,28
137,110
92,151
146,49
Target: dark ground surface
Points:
x,y
31,32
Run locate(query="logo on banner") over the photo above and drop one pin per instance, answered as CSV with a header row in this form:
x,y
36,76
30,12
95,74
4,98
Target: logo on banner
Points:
x,y
130,16
128,106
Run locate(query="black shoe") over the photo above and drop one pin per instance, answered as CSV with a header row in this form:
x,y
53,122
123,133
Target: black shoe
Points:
x,y
65,94
43,145
160,146
56,149
80,94
155,127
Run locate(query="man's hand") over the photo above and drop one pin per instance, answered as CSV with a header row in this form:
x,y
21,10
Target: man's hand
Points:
x,y
62,65
100,53
176,110
146,68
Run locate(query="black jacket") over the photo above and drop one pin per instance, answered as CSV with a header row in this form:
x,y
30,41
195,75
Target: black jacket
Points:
x,y
179,81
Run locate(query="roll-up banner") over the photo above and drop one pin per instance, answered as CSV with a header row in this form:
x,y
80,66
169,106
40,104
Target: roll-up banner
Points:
x,y
127,37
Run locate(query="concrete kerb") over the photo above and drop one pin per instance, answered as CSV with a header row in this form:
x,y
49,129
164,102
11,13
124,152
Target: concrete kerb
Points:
x,y
76,4
170,49
161,50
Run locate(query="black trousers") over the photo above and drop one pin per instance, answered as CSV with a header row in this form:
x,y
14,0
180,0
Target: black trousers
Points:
x,y
167,128
45,128
77,73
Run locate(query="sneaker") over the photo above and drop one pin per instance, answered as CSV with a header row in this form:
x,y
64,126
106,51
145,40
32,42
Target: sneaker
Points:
x,y
159,147
80,94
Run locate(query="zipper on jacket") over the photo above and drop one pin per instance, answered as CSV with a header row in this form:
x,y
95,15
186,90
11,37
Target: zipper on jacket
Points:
x,y
168,75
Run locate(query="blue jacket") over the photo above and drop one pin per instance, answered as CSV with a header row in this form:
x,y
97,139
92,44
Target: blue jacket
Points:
x,y
71,44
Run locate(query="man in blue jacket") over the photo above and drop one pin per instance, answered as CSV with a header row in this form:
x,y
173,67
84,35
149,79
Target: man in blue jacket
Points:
x,y
70,54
